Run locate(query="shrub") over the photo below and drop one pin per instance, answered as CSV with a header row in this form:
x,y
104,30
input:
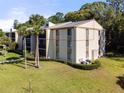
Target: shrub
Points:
x,y
16,51
13,46
93,65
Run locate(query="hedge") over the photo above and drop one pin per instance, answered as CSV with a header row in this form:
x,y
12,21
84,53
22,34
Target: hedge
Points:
x,y
93,65
16,51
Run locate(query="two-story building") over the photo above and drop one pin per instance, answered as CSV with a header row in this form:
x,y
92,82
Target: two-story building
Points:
x,y
70,41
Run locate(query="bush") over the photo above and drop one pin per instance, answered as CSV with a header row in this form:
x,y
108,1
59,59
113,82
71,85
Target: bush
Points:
x,y
16,51
13,46
93,65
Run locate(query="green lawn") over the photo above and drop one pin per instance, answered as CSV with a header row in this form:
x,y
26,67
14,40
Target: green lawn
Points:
x,y
56,77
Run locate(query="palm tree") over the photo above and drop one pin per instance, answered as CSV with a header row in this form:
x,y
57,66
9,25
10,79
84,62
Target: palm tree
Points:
x,y
22,30
36,21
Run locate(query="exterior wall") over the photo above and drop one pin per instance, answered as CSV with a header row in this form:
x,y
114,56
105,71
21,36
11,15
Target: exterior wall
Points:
x,y
16,37
92,25
80,44
50,44
93,44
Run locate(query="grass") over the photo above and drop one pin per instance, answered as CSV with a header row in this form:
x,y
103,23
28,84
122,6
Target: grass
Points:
x,y
56,77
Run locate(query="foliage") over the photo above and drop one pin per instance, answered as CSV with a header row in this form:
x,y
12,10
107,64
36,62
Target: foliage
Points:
x,y
1,33
5,40
13,46
35,22
22,29
77,15
57,18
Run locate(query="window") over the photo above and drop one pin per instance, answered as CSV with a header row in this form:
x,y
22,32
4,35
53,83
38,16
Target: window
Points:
x,y
69,32
42,43
42,53
57,44
69,44
57,32
28,43
42,35
99,33
57,52
28,36
69,53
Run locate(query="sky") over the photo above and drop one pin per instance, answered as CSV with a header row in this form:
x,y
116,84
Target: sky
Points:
x,y
22,9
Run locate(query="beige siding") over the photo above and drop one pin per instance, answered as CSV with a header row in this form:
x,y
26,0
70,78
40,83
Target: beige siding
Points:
x,y
16,37
50,44
80,44
93,45
92,24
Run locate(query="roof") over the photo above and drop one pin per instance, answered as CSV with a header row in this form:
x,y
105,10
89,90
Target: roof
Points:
x,y
69,24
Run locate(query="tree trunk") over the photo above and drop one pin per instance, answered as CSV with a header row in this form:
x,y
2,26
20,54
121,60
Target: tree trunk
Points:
x,y
37,64
22,46
25,52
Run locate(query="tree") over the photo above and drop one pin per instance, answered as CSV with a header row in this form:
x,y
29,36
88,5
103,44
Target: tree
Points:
x,y
1,33
118,5
78,15
22,30
36,21
57,18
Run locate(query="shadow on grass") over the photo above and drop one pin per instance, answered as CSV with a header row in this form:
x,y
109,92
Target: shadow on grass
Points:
x,y
120,81
22,64
120,59
10,58
25,90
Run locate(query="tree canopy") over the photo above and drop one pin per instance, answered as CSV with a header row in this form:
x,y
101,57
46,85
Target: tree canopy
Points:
x,y
57,18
